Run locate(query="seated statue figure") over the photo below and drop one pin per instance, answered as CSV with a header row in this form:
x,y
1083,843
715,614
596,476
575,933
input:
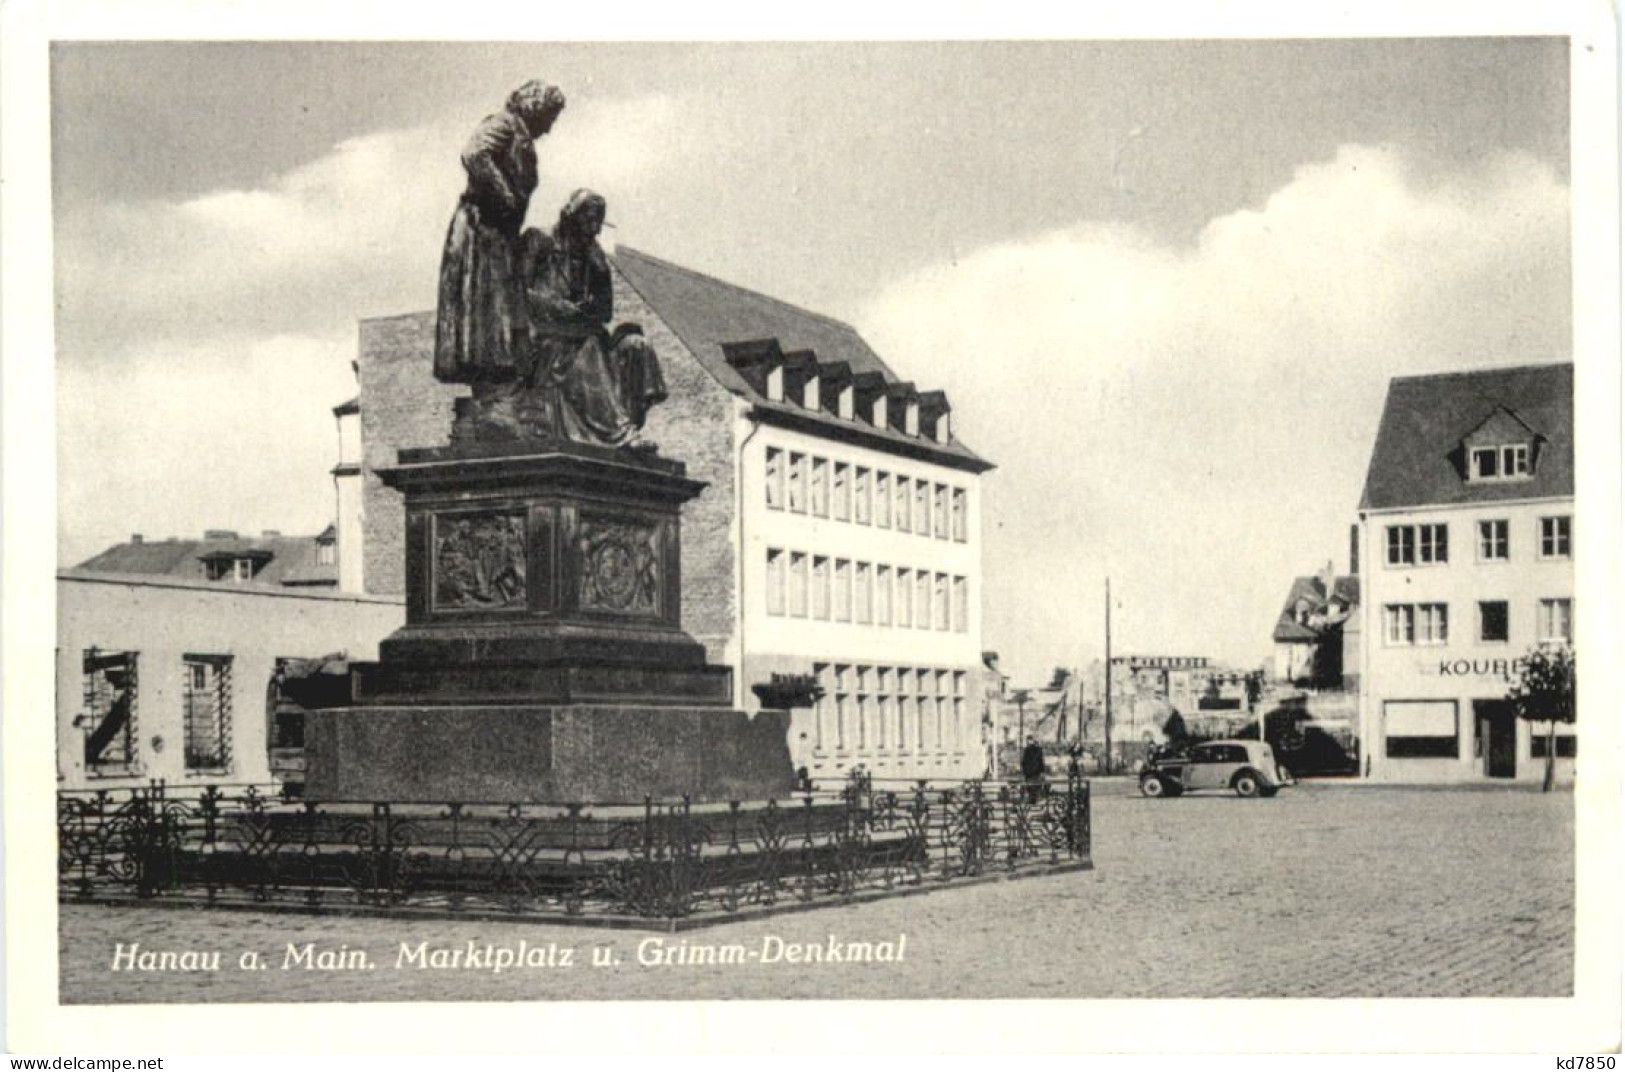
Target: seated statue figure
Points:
x,y
585,383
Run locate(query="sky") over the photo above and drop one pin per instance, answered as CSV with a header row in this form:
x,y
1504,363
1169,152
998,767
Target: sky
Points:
x,y
1164,283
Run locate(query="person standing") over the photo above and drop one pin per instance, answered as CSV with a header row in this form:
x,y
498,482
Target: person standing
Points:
x,y
1032,768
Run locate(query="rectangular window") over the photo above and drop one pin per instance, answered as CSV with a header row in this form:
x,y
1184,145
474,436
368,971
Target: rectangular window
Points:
x,y
774,473
843,707
958,723
900,500
775,581
883,500
1537,743
842,599
1492,621
922,599
1432,624
818,489
1399,624
863,593
1494,544
1407,624
939,603
1555,621
905,598
823,706
1401,545
108,719
922,508
1433,543
861,708
796,497
820,588
883,595
1515,460
206,706
840,507
1417,729
885,714
798,585
1486,463
860,496
961,605
939,512
958,508
326,553
243,570
1554,537
924,708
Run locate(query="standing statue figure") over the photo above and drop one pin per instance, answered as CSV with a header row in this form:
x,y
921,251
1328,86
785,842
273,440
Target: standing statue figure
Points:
x,y
587,383
481,315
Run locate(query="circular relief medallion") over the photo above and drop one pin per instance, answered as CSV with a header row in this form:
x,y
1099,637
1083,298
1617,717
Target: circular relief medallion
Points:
x,y
615,574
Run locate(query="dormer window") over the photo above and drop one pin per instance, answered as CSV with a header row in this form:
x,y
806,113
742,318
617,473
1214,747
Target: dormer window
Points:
x,y
1505,462
775,383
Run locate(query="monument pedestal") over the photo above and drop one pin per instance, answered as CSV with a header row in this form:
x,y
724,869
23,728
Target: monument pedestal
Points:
x,y
542,657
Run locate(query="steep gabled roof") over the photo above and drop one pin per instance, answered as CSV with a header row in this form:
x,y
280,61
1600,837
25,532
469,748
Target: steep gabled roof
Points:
x,y
709,315
1312,590
1418,459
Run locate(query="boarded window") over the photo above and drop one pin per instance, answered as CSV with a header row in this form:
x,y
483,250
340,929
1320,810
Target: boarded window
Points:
x,y
108,720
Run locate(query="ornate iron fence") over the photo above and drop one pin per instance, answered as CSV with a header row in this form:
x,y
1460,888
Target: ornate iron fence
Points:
x,y
651,861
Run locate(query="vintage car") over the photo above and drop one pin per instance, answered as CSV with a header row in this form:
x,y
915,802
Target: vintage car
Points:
x,y
1247,767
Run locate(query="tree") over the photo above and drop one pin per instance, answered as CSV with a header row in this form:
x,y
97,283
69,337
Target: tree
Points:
x,y
1543,691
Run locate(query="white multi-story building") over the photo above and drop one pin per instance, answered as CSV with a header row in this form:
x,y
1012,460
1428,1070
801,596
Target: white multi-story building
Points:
x,y
1466,526
839,535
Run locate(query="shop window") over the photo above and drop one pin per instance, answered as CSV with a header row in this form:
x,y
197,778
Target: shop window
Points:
x,y
1421,729
1537,744
206,705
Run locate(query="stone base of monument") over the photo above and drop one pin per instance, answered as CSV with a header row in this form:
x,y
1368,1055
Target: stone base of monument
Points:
x,y
542,657
532,754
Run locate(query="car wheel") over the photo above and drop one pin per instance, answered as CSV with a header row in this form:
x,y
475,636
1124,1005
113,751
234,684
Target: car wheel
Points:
x,y
1246,784
1153,787
1267,791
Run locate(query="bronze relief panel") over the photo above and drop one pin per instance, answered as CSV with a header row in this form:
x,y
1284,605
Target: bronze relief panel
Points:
x,y
621,566
479,561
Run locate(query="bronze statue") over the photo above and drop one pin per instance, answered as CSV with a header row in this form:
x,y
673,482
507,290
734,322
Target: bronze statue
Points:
x,y
524,318
601,384
480,316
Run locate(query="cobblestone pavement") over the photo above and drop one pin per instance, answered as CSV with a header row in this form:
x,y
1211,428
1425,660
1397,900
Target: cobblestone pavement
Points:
x,y
1325,891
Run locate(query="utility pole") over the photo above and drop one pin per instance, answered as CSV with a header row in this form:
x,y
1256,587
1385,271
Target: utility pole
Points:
x,y
1106,765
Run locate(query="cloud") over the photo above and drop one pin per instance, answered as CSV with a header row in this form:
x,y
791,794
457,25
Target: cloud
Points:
x,y
355,233
202,344
1195,422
